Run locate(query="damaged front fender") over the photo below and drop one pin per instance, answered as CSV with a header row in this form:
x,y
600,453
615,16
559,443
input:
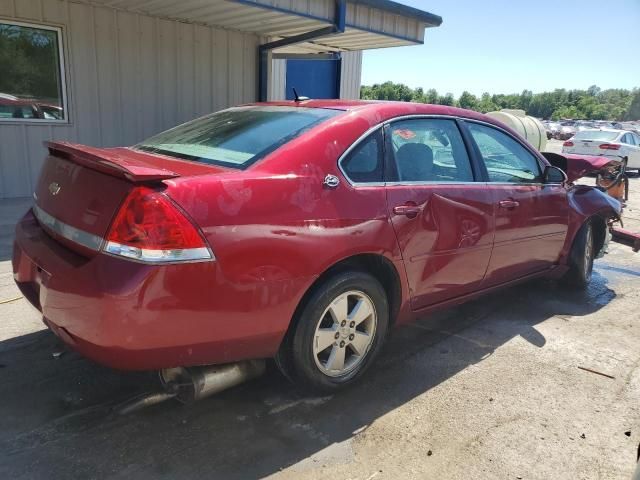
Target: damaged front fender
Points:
x,y
587,201
591,203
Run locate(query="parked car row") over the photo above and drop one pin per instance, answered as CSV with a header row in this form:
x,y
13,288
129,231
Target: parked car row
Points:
x,y
566,129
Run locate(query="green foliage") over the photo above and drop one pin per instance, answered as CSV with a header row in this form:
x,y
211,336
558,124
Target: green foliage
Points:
x,y
593,103
468,100
29,59
633,112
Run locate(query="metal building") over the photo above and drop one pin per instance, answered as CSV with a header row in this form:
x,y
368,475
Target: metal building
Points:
x,y
112,72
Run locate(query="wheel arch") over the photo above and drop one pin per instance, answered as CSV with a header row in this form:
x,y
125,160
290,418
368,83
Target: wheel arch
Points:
x,y
599,225
377,265
589,204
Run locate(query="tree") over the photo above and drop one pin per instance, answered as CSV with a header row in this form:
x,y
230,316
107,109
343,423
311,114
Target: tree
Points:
x,y
486,104
431,96
593,90
29,59
567,111
448,99
468,100
593,103
633,113
525,100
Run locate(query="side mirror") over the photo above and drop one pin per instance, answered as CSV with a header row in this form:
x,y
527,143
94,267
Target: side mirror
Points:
x,y
554,175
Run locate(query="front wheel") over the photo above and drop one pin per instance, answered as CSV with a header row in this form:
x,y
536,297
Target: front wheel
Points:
x,y
337,333
581,258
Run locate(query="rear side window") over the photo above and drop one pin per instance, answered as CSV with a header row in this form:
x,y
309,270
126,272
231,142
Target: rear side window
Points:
x,y
428,150
364,164
236,137
505,158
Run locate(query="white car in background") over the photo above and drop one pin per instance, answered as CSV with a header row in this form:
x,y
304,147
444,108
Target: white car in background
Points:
x,y
618,144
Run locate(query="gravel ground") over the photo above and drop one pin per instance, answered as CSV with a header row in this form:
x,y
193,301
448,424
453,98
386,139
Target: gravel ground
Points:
x,y
491,389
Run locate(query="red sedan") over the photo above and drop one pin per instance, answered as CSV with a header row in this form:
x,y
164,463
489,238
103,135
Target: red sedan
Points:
x,y
297,230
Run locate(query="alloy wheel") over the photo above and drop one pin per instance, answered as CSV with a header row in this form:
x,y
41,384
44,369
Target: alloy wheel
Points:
x,y
344,333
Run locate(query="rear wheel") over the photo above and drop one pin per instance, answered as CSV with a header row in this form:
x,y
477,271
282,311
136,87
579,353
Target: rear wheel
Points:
x,y
581,258
337,333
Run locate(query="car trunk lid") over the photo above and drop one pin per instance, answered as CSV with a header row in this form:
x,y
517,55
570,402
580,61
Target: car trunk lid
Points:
x,y
81,188
585,147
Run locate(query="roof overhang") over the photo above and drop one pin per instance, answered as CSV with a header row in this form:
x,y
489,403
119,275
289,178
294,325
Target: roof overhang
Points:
x,y
368,23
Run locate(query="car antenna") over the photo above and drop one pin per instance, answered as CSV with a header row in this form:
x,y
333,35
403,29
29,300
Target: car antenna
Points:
x,y
298,98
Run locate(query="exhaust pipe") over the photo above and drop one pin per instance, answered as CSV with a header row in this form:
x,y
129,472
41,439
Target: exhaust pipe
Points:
x,y
190,384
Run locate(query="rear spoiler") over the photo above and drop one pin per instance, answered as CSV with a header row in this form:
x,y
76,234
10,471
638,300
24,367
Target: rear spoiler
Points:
x,y
117,162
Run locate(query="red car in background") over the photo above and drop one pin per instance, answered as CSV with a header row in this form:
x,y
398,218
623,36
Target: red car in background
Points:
x,y
14,108
297,230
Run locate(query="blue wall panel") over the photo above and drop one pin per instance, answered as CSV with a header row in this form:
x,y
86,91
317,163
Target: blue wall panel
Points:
x,y
313,78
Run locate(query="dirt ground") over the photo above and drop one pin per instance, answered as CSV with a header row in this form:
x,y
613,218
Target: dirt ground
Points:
x,y
491,389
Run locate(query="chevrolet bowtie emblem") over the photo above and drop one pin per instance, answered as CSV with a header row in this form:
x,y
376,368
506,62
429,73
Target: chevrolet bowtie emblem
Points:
x,y
54,188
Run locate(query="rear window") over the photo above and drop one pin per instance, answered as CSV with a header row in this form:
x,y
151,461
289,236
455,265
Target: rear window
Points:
x,y
595,135
236,137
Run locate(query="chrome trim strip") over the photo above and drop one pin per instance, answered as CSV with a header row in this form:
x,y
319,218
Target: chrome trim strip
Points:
x,y
86,239
432,182
97,244
519,184
149,256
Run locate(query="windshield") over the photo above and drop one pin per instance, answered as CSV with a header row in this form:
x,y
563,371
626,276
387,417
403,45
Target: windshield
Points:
x,y
236,137
595,135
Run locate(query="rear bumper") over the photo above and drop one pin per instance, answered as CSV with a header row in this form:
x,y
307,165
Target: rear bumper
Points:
x,y
133,316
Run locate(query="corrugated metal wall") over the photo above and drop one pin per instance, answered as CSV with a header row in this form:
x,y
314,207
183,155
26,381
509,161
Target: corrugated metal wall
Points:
x,y
278,80
351,76
128,76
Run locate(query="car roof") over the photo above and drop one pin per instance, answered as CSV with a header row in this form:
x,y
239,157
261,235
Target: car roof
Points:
x,y
384,110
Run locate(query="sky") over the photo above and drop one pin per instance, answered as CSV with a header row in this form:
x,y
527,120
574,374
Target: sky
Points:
x,y
502,46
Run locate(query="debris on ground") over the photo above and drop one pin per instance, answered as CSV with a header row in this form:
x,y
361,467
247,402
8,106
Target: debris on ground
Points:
x,y
596,372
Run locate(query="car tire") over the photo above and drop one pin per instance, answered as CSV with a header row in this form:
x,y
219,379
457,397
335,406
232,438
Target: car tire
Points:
x,y
581,258
337,333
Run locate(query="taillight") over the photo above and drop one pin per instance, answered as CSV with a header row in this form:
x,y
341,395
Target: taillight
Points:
x,y
150,228
568,143
609,146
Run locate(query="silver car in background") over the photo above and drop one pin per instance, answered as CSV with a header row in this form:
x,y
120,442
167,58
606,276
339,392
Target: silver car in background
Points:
x,y
618,144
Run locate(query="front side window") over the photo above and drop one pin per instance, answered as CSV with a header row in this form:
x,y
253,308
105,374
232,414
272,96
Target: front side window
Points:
x,y
428,150
237,137
31,76
505,158
364,163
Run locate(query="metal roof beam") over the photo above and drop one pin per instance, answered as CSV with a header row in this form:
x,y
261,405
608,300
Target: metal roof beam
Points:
x,y
339,25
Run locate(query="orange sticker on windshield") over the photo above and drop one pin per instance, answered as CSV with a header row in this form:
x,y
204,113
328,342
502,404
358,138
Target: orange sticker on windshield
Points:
x,y
404,133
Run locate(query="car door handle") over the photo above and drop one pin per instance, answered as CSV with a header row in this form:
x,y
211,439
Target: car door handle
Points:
x,y
510,204
410,211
